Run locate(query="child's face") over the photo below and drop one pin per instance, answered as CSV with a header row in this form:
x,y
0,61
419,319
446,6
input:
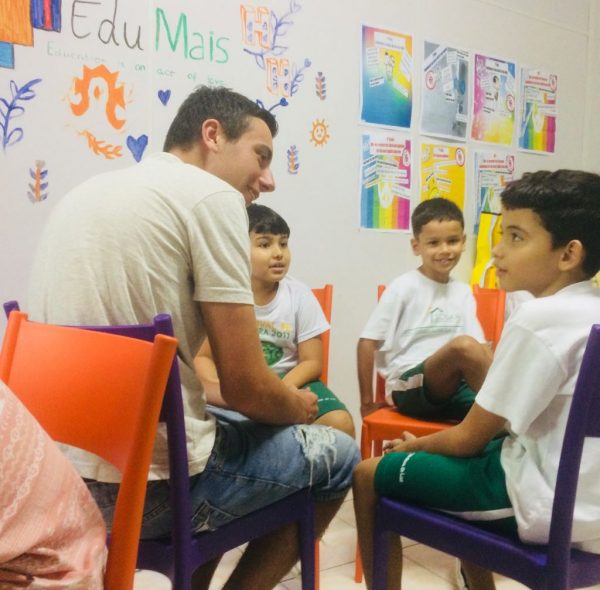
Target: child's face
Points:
x,y
270,257
524,257
440,245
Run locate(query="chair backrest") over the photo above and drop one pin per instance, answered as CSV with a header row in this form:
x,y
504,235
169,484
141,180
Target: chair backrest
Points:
x,y
490,311
324,296
583,421
173,415
81,385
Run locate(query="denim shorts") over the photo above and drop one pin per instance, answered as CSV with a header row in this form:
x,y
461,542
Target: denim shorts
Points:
x,y
251,466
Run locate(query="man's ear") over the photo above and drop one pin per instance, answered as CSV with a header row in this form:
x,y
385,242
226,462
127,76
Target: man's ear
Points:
x,y
572,256
210,133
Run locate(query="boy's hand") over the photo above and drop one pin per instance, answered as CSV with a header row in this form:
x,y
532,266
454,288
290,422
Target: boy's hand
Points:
x,y
370,407
399,444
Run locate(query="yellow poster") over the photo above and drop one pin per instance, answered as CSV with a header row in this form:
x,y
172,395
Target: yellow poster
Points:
x,y
443,172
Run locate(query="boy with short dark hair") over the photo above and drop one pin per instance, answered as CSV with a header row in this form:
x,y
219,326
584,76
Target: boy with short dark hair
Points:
x,y
550,247
424,336
290,322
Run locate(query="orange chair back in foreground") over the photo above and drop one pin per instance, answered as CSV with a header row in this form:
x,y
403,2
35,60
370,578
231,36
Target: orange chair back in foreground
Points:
x,y
99,392
324,296
490,311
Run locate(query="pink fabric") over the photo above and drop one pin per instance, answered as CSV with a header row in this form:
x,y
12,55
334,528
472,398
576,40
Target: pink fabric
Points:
x,y
51,532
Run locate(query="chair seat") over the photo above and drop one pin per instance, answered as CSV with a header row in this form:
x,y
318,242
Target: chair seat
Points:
x,y
455,536
389,423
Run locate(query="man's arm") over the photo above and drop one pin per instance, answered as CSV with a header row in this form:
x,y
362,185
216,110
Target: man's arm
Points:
x,y
310,363
247,384
365,360
466,439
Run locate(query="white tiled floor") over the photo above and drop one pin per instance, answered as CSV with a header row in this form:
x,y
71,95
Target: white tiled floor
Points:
x,y
424,568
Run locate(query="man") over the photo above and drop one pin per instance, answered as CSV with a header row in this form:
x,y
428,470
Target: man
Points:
x,y
170,235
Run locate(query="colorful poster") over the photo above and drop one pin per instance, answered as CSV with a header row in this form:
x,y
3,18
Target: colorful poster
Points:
x,y
494,85
445,91
443,172
385,182
492,172
537,125
386,77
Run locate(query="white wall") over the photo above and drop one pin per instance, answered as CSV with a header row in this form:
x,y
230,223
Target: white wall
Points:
x,y
321,202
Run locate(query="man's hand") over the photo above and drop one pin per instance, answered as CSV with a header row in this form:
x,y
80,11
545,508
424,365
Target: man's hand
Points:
x,y
310,405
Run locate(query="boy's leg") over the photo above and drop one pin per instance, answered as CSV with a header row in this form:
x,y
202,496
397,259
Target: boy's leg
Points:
x,y
332,412
365,500
461,359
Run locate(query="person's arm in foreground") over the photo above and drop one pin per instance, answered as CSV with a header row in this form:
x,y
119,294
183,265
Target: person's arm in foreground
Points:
x,y
206,370
247,383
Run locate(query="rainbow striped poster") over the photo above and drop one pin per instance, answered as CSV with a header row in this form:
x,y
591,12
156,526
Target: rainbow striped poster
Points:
x,y
385,182
494,89
537,125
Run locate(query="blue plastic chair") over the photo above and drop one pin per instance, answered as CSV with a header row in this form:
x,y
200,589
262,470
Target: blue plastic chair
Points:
x,y
183,552
556,566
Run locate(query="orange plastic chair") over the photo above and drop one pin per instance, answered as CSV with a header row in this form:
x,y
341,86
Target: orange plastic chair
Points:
x,y
324,296
99,392
490,312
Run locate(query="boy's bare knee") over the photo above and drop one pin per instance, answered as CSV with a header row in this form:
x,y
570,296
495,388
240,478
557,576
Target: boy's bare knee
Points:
x,y
467,347
338,419
364,473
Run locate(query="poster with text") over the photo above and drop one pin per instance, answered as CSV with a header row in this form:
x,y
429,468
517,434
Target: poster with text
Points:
x,y
537,124
443,172
494,84
492,172
385,181
386,77
445,91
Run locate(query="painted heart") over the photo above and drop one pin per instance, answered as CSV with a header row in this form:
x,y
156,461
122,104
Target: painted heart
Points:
x,y
137,146
164,96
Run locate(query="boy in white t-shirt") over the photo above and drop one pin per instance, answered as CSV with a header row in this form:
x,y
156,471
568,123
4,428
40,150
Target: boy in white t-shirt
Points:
x,y
550,247
289,318
424,336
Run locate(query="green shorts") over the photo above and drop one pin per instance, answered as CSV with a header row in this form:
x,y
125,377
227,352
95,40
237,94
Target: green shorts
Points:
x,y
327,401
473,488
414,399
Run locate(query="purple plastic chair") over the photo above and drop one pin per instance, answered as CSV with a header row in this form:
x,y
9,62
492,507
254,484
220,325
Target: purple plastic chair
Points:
x,y
180,554
550,567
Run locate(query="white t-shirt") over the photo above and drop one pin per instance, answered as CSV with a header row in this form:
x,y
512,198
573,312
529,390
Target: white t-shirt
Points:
x,y
293,316
415,317
157,237
531,383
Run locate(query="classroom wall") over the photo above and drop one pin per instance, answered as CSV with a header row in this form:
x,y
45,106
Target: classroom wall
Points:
x,y
321,200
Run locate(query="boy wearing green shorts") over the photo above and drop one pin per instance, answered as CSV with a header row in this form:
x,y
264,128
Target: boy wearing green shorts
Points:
x,y
550,247
424,336
290,322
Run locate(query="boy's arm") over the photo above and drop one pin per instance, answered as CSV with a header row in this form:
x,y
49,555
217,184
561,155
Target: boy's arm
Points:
x,y
206,370
247,383
365,359
466,439
310,363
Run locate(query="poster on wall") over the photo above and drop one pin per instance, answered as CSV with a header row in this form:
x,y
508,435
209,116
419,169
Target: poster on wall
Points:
x,y
537,123
494,85
443,172
386,77
385,181
492,171
445,91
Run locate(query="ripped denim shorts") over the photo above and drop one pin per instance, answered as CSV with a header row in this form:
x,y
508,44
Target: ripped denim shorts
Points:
x,y
251,465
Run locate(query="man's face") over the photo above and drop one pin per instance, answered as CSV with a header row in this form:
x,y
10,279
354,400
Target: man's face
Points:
x,y
245,163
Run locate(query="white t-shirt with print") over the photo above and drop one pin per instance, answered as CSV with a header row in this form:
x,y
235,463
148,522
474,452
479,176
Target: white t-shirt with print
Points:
x,y
293,316
415,317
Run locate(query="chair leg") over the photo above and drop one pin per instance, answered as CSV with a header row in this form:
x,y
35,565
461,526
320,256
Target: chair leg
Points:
x,y
317,565
358,571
